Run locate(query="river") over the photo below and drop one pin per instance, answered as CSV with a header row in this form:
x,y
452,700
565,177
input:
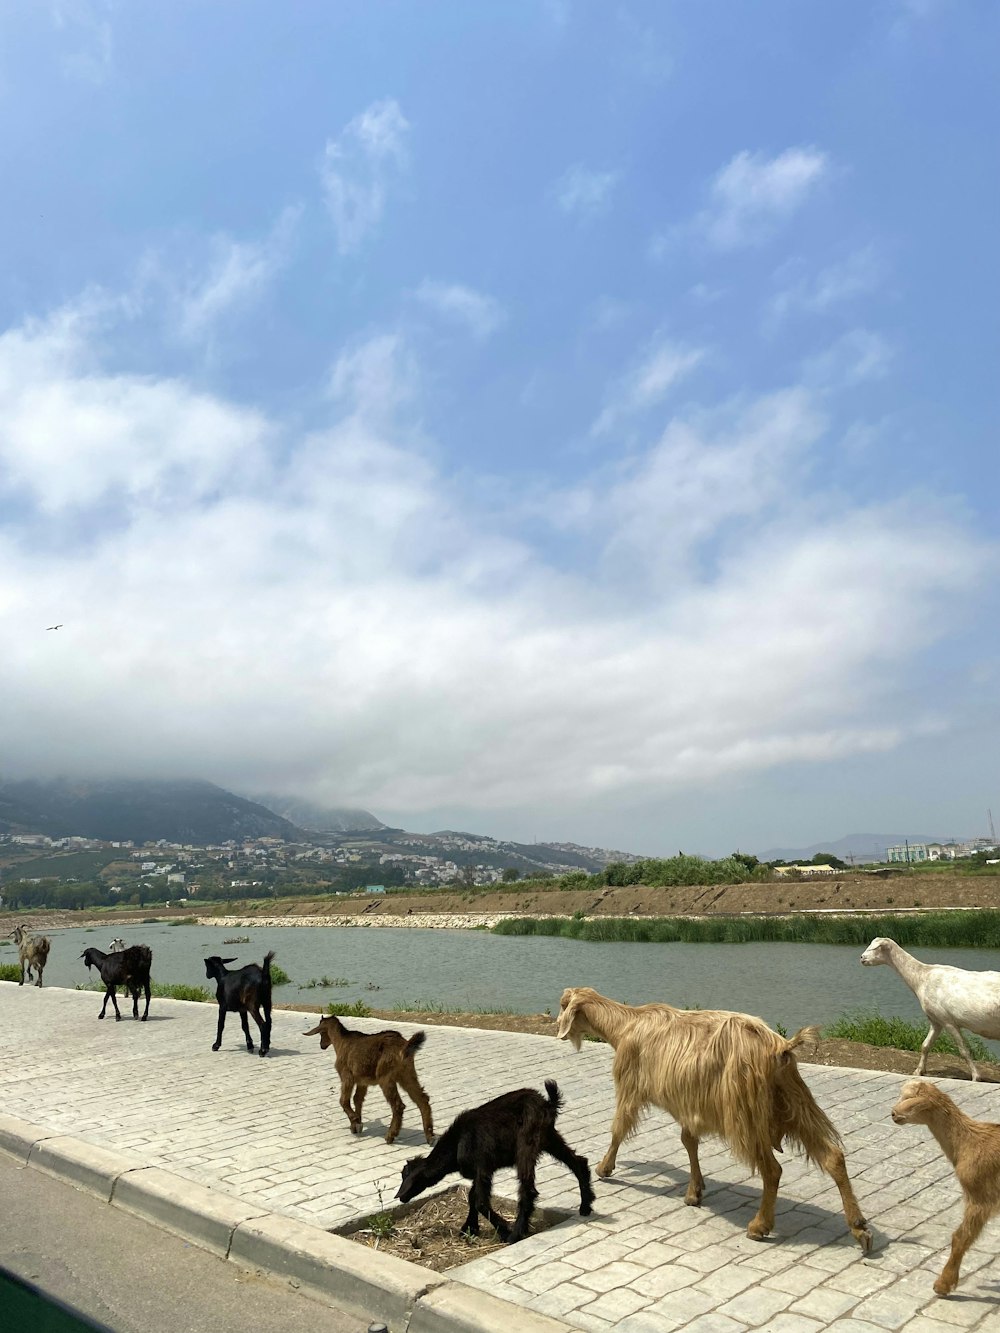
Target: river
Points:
x,y
791,984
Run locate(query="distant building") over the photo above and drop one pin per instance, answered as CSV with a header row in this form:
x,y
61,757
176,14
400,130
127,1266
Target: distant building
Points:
x,y
909,852
374,888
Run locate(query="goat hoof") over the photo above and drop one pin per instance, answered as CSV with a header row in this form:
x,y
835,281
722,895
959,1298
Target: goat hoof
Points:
x,y
864,1238
944,1288
216,1045
758,1231
99,1017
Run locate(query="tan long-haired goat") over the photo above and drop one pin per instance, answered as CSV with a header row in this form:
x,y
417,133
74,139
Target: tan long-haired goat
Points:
x,y
718,1073
972,1147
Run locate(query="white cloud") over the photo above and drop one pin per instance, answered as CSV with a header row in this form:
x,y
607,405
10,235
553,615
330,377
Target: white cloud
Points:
x,y
584,192
479,313
855,358
662,366
333,611
833,286
87,43
236,274
358,167
753,194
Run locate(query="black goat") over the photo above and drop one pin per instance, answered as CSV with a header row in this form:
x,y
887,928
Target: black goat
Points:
x,y
246,990
129,968
508,1131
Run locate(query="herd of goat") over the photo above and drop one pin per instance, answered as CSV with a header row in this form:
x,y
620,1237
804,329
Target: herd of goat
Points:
x,y
716,1072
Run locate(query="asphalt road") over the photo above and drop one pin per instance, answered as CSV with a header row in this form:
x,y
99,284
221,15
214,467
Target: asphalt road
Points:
x,y
132,1277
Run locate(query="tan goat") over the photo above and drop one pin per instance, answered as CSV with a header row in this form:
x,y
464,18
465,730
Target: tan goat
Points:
x,y
33,952
718,1073
972,1147
385,1058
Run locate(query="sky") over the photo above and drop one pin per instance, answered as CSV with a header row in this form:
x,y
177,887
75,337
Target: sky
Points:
x,y
550,420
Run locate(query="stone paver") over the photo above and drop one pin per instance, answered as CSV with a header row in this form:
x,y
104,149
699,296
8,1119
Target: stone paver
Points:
x,y
270,1133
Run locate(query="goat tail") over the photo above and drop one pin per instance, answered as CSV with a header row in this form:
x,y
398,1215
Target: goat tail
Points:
x,y
267,962
414,1045
44,944
808,1036
554,1095
265,990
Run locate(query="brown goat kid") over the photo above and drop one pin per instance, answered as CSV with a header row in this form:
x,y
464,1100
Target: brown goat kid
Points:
x,y
33,952
385,1058
719,1073
972,1147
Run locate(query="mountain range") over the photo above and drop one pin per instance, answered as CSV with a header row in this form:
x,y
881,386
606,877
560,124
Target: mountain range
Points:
x,y
203,814
856,846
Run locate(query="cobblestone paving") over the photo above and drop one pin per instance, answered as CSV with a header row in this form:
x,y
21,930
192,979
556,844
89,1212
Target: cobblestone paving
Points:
x,y
271,1132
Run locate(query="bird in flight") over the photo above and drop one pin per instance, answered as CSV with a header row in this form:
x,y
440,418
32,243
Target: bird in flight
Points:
x,y
48,627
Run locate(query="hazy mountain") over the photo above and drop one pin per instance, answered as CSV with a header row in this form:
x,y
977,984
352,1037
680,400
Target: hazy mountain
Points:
x,y
140,811
861,846
318,818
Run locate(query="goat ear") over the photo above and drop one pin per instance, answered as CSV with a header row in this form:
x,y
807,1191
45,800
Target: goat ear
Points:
x,y
227,960
567,1015
313,1031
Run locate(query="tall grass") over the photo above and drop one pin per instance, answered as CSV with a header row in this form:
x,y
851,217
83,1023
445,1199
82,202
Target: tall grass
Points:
x,y
877,1030
10,972
953,930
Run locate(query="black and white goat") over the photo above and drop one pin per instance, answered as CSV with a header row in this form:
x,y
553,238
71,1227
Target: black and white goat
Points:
x,y
508,1131
242,991
129,968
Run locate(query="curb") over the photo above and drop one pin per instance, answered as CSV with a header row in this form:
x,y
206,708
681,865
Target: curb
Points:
x,y
327,1267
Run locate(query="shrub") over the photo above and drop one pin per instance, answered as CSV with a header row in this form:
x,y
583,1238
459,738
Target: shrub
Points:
x,y
358,1009
10,972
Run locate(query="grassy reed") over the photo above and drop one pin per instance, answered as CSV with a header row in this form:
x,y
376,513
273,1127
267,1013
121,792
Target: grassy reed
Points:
x,y
954,930
876,1029
10,972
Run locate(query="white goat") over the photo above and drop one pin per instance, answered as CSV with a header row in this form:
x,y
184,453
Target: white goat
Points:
x,y
117,945
951,997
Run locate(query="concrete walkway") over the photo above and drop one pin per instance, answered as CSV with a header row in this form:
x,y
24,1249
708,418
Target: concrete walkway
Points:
x,y
270,1133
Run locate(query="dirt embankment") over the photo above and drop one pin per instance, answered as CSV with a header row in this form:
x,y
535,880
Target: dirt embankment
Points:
x,y
847,893
844,893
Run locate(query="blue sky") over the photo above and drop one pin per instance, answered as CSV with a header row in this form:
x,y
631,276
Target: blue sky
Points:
x,y
560,421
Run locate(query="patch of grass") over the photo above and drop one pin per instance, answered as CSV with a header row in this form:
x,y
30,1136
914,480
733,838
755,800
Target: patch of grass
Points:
x,y
179,991
381,1224
10,972
436,1007
324,982
357,1009
943,930
875,1029
182,921
279,977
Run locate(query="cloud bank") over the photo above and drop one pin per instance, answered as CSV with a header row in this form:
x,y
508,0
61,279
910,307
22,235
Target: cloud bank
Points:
x,y
332,612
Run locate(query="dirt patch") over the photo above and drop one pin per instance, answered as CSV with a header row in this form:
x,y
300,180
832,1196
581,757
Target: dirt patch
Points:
x,y
428,1232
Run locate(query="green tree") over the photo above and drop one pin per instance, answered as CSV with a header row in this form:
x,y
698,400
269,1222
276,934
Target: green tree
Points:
x,y
510,874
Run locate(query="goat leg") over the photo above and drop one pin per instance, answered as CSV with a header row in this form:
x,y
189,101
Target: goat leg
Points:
x,y
222,1023
968,1229
696,1182
625,1121
391,1094
933,1032
770,1172
556,1146
246,1030
360,1093
527,1156
353,1116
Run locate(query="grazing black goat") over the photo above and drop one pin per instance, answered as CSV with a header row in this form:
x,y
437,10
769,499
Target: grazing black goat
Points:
x,y
246,990
508,1131
129,968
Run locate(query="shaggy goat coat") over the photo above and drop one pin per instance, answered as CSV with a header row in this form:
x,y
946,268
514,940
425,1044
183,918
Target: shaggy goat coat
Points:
x,y
717,1073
